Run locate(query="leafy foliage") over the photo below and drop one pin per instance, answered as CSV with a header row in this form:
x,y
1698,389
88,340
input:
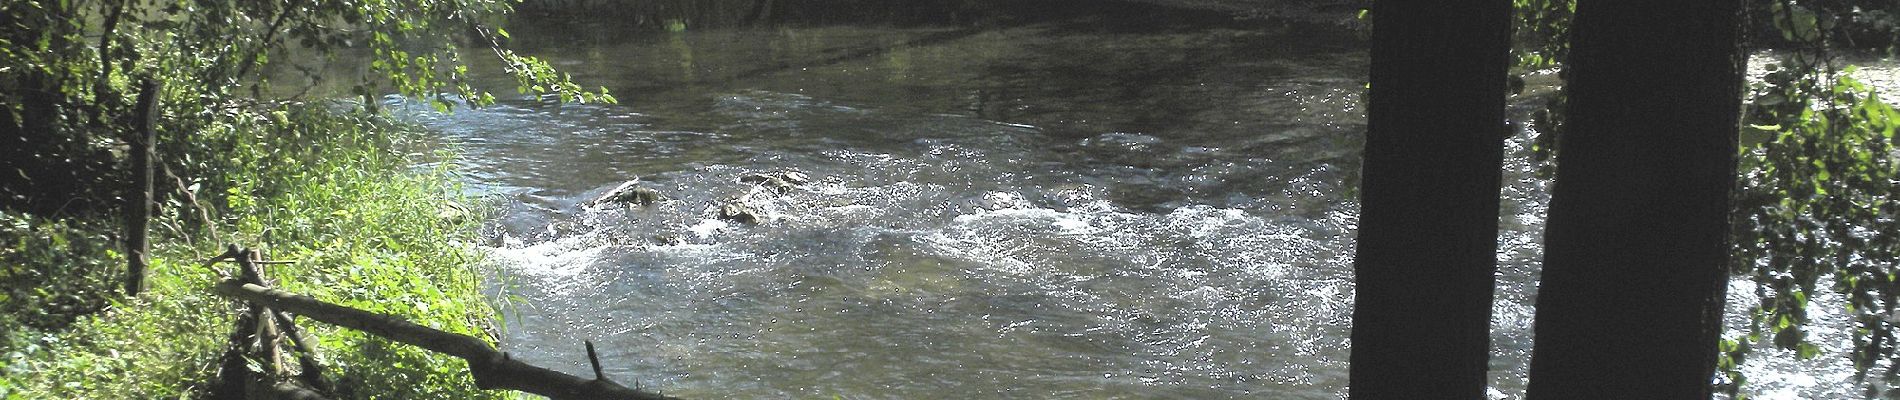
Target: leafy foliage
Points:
x,y
50,299
335,193
1817,204
1820,191
367,234
64,95
1542,32
1842,24
1541,36
324,184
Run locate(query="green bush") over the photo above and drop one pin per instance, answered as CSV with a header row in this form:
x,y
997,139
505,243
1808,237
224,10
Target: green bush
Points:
x,y
330,186
337,194
50,298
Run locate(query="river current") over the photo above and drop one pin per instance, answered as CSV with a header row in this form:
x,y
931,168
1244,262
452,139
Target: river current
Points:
x,y
1086,207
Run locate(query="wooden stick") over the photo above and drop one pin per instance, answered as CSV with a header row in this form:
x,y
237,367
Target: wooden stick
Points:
x,y
233,374
492,369
247,267
311,371
266,323
184,190
138,201
594,359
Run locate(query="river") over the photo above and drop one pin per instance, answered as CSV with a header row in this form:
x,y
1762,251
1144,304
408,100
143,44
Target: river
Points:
x,y
1136,202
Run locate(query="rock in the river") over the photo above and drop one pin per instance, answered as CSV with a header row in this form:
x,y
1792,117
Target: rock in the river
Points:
x,y
741,212
629,193
795,177
782,181
668,239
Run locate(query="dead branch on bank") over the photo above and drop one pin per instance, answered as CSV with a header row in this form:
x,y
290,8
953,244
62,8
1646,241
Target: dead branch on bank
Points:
x,y
258,334
492,369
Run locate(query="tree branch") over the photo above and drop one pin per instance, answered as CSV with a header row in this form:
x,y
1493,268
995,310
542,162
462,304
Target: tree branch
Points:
x,y
492,369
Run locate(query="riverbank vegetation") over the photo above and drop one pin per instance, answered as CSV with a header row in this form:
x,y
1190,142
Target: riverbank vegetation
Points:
x,y
330,186
333,193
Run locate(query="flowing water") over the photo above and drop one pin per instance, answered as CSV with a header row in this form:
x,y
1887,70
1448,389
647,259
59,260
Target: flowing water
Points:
x,y
1148,203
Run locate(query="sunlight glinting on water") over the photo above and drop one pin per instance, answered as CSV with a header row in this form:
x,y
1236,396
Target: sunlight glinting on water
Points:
x,y
1168,215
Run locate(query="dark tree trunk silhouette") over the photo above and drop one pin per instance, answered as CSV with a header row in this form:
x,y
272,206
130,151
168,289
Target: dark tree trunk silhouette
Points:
x,y
1637,243
1428,226
138,199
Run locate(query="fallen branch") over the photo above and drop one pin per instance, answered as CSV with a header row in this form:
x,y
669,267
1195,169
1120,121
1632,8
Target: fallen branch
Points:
x,y
204,214
311,371
492,369
265,328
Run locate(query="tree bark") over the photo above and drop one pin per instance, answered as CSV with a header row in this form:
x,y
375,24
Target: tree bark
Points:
x,y
1637,242
138,200
1427,241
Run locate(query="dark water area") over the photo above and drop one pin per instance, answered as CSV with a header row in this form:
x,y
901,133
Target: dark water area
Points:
x,y
1102,200
729,14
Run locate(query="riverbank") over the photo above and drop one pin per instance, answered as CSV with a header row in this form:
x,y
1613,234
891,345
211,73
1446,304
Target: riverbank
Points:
x,y
330,189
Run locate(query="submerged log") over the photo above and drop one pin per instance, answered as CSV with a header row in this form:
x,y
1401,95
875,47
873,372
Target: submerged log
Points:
x,y
492,369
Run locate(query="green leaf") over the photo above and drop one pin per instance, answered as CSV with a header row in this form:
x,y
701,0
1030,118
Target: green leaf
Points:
x,y
1807,351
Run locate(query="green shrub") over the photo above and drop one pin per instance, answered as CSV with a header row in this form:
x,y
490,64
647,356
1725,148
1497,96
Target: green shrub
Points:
x,y
335,193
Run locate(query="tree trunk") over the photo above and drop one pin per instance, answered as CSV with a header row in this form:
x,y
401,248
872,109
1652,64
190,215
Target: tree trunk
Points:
x,y
1637,242
1428,228
138,200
